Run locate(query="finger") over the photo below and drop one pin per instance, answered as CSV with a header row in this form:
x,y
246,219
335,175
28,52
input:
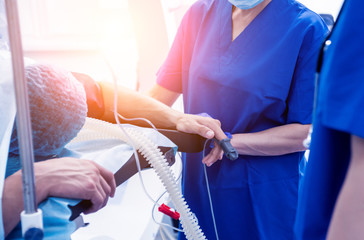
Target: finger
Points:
x,y
97,200
109,178
107,190
221,152
196,128
212,157
213,125
210,160
102,193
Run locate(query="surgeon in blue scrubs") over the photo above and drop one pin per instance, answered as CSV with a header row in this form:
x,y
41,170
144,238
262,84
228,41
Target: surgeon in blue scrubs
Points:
x,y
249,64
331,206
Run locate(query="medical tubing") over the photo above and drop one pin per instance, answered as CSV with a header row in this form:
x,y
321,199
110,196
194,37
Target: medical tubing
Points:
x,y
105,130
208,191
115,111
160,223
131,142
160,165
156,159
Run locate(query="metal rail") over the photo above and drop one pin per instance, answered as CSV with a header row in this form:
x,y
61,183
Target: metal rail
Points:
x,y
23,123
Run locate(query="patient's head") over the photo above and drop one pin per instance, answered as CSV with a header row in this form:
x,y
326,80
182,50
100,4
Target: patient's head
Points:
x,y
57,107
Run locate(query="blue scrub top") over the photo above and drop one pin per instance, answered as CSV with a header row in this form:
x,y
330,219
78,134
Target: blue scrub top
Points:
x,y
262,79
339,115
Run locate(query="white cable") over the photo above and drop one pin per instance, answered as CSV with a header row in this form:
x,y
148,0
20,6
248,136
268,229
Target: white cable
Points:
x,y
129,140
160,165
164,224
160,223
208,191
156,159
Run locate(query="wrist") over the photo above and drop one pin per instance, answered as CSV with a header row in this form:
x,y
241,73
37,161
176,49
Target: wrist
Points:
x,y
42,182
174,117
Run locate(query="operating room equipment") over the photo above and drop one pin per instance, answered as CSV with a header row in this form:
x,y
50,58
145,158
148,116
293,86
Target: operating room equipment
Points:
x,y
123,174
229,150
225,144
31,217
185,142
160,165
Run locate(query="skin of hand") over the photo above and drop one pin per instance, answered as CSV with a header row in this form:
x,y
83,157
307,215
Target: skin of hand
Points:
x,y
206,127
132,104
215,154
61,177
188,120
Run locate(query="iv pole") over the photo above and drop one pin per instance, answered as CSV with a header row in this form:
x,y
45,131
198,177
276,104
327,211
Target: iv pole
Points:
x,y
31,217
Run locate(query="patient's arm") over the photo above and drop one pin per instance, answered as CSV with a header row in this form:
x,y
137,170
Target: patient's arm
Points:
x,y
60,177
132,104
348,218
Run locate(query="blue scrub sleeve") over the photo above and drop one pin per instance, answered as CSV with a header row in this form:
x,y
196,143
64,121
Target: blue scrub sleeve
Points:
x,y
301,95
179,57
342,79
170,74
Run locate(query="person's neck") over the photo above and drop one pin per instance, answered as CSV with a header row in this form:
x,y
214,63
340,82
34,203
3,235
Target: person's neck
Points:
x,y
241,18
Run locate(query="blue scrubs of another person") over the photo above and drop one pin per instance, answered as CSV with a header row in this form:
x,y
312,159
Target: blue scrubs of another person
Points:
x,y
262,79
339,115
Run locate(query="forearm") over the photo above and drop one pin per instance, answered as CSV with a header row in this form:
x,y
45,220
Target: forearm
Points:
x,y
12,202
274,141
59,177
348,218
131,104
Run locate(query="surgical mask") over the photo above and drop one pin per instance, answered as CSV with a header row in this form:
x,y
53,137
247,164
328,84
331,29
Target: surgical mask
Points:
x,y
245,4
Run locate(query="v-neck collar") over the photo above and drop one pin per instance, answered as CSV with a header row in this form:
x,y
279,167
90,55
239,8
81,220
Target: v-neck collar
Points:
x,y
245,36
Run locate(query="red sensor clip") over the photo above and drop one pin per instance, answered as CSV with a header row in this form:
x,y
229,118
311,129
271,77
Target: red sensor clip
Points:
x,y
168,211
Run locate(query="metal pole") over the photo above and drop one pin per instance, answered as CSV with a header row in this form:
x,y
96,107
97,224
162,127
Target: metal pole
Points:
x,y
23,122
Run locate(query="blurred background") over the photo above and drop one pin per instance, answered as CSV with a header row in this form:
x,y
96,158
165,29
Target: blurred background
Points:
x,y
131,36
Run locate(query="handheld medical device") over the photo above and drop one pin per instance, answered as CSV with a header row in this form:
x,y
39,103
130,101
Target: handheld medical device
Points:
x,y
229,150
